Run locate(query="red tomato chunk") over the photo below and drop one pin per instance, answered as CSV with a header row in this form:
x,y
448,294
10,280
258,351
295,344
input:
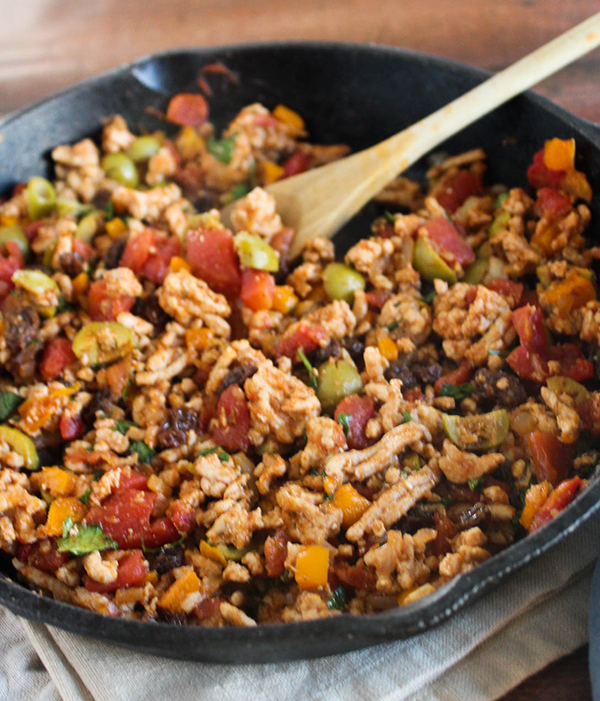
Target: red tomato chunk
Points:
x,y
560,498
105,308
132,571
307,338
212,257
552,459
451,245
258,289
58,354
232,423
149,254
463,185
539,175
359,411
188,109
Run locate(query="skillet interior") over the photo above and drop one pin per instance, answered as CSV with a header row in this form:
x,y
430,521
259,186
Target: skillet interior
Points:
x,y
347,93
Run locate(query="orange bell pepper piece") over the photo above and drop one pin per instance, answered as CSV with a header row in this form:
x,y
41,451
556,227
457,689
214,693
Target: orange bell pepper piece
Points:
x,y
199,339
212,553
388,348
559,154
573,292
56,481
287,116
312,565
268,172
535,497
284,299
352,504
60,509
115,227
172,600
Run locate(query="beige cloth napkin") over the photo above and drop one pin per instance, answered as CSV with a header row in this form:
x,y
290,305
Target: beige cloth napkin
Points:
x,y
533,618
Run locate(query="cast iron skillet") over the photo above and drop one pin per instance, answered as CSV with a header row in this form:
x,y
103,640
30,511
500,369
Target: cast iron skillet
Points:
x,y
351,94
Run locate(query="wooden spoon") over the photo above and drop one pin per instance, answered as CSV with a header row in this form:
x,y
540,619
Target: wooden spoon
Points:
x,y
318,202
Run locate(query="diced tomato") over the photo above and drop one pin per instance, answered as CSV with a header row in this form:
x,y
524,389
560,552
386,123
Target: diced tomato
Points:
x,y
149,254
209,608
132,571
282,241
211,254
133,480
355,576
187,109
414,394
71,427
534,366
561,497
463,185
232,422
462,374
539,175
307,338
276,553
258,289
529,325
507,288
377,298
383,228
446,531
450,244
552,459
530,297
101,307
297,163
58,354
552,203
82,249
183,518
125,517
43,554
11,260
117,376
358,410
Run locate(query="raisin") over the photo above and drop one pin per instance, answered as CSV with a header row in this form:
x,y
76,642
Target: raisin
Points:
x,y
237,376
174,431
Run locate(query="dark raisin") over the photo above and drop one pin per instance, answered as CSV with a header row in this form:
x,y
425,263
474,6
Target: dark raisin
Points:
x,y
465,517
21,324
72,263
356,348
101,198
331,350
115,252
101,401
237,376
150,309
397,370
166,559
174,431
428,374
494,387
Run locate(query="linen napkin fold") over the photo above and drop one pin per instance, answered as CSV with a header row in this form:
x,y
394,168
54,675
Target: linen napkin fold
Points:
x,y
532,619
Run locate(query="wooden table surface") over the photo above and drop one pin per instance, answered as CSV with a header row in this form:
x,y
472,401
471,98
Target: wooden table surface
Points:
x,y
46,45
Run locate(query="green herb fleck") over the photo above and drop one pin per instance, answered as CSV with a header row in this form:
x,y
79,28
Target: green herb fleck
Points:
x,y
428,299
476,485
108,210
406,416
393,325
328,497
239,190
124,426
500,199
144,452
84,539
343,420
223,456
162,548
459,392
9,401
313,472
208,451
312,379
389,216
125,390
222,150
85,496
63,306
446,501
338,600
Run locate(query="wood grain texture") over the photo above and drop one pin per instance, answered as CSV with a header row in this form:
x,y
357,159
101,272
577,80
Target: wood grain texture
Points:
x,y
46,45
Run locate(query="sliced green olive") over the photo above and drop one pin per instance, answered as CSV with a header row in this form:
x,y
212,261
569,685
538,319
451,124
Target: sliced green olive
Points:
x,y
40,198
255,252
22,445
41,286
121,168
429,264
341,282
475,273
230,553
72,208
496,269
15,234
102,342
485,250
560,385
335,381
478,432
411,462
142,148
500,222
89,226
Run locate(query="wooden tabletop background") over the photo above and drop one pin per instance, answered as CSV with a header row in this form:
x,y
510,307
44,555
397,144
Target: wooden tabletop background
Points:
x,y
46,45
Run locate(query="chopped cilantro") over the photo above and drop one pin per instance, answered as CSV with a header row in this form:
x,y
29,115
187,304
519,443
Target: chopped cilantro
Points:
x,y
123,426
343,420
208,451
144,452
312,380
393,325
239,190
85,496
459,392
328,497
222,150
313,472
125,390
428,299
406,416
389,216
500,199
223,456
475,485
108,210
85,538
338,600
63,305
9,401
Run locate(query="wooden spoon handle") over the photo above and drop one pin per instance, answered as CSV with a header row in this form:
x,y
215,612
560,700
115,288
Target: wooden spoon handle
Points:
x,y
364,174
